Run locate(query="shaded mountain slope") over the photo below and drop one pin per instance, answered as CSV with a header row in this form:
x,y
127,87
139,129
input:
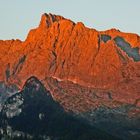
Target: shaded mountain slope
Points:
x,y
33,114
98,107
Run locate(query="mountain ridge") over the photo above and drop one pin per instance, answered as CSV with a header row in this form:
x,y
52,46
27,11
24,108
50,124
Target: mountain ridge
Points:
x,y
60,48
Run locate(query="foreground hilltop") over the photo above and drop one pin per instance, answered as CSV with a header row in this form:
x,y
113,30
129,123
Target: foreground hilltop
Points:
x,y
32,114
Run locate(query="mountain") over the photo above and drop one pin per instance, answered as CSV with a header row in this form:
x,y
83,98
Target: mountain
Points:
x,y
70,51
33,114
93,74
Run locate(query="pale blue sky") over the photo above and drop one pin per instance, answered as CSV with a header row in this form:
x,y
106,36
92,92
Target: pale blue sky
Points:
x,y
18,16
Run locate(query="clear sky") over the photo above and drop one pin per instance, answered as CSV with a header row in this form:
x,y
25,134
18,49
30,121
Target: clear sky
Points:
x,y
18,16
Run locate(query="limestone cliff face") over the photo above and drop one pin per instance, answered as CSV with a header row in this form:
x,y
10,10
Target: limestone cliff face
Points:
x,y
60,48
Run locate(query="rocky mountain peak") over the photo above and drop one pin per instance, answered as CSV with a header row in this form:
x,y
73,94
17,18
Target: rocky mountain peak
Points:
x,y
48,19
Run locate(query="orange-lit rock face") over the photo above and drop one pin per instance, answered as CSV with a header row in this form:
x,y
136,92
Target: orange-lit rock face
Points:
x,y
68,51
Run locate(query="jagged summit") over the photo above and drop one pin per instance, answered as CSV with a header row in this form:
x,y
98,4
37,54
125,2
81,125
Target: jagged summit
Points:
x,y
48,19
